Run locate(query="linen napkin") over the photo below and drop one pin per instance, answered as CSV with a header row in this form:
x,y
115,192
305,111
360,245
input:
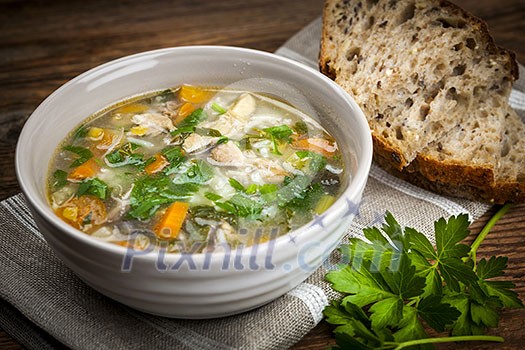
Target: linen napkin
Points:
x,y
45,306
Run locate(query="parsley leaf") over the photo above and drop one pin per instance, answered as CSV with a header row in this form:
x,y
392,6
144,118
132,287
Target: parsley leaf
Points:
x,y
449,252
199,172
278,133
402,279
217,108
436,313
151,192
81,132
396,280
502,290
387,312
236,185
189,123
301,127
316,161
245,206
95,187
410,327
174,155
59,179
125,156
84,155
449,234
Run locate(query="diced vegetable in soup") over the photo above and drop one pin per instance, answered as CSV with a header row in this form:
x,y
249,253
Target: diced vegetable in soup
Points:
x,y
193,168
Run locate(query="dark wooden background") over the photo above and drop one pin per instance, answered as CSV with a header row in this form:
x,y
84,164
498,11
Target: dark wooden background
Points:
x,y
43,44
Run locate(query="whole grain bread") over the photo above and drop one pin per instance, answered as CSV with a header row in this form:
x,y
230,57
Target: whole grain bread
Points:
x,y
434,87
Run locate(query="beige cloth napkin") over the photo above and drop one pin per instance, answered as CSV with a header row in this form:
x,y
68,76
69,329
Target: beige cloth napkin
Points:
x,y
45,306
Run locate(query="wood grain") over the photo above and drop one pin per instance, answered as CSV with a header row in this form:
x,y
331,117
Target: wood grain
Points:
x,y
44,44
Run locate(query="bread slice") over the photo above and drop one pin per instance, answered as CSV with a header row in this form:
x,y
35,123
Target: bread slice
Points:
x,y
434,87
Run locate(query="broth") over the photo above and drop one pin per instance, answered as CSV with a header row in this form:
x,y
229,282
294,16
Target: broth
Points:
x,y
192,168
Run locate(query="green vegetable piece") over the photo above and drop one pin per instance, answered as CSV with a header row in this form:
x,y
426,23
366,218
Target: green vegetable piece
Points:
x,y
245,206
449,234
200,172
436,313
222,139
151,192
268,188
189,123
364,286
485,314
403,281
95,187
84,155
278,133
80,133
317,161
281,132
59,179
410,327
293,188
228,207
212,196
174,155
417,241
397,277
208,132
301,127
217,108
387,312
251,189
453,270
502,290
210,213
491,268
125,156
236,185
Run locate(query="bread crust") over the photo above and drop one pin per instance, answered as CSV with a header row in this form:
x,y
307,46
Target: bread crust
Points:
x,y
490,192
441,176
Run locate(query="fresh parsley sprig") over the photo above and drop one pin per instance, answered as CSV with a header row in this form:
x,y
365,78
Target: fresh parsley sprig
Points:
x,y
397,281
83,154
276,134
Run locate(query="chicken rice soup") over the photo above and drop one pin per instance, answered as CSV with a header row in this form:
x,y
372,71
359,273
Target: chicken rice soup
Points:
x,y
192,168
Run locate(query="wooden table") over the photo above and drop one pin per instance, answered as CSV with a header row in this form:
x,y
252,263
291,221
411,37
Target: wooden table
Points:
x,y
43,44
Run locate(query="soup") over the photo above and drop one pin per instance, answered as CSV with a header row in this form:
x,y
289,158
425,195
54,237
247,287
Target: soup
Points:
x,y
192,168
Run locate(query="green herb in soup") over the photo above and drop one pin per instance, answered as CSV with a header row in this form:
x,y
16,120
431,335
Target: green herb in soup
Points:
x,y
195,166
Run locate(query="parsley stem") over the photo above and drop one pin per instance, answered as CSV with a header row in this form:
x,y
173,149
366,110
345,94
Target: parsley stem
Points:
x,y
485,231
449,339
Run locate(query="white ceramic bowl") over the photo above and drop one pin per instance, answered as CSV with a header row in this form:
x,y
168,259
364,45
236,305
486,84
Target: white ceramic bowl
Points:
x,y
198,285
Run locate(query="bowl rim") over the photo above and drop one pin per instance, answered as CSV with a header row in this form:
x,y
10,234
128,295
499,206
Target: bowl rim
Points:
x,y
336,210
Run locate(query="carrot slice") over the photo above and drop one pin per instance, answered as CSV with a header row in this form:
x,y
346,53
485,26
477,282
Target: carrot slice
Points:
x,y
185,110
193,94
84,171
171,222
316,144
157,165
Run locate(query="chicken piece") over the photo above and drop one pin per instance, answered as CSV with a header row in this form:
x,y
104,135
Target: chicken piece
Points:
x,y
227,125
243,108
227,154
269,171
232,123
195,143
154,123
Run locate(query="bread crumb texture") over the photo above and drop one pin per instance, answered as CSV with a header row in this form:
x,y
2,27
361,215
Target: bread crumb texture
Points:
x,y
434,87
